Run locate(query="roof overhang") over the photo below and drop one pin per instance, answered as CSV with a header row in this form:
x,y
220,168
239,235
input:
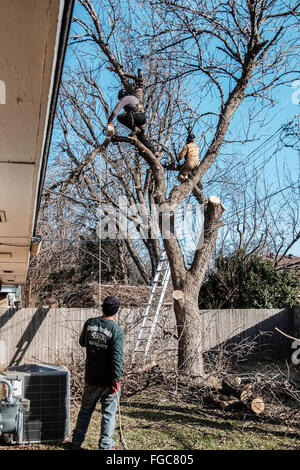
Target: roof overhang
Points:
x,y
33,39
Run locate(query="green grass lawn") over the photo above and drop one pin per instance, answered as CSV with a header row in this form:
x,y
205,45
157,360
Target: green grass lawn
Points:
x,y
153,420
157,424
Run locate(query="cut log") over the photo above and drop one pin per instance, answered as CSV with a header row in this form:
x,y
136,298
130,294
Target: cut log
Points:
x,y
232,405
223,402
246,393
141,370
256,405
232,386
213,400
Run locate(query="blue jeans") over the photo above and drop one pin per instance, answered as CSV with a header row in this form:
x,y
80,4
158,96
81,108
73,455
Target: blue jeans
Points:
x,y
109,402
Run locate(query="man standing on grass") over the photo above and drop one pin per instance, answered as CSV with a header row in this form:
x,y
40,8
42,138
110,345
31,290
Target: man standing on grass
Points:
x,y
104,343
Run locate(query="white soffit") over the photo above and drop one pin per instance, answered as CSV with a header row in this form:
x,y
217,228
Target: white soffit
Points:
x,y
29,37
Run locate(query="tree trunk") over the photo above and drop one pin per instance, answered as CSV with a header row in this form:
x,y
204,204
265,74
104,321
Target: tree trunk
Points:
x,y
186,284
190,333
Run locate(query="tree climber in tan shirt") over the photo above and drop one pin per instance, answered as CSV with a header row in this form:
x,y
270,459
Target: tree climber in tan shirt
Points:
x,y
190,153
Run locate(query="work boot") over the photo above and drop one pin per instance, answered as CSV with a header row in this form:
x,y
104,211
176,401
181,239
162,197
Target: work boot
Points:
x,y
135,131
115,447
71,446
182,178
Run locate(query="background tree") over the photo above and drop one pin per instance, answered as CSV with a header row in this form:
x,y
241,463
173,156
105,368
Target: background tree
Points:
x,y
66,271
248,281
260,218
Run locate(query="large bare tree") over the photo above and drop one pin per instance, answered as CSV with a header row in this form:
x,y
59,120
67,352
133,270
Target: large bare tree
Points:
x,y
226,54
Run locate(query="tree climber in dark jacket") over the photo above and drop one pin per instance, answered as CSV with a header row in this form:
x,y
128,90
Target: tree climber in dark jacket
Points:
x,y
133,117
103,339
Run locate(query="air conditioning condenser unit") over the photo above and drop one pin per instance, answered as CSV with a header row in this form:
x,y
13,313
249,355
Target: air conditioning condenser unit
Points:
x,y
35,406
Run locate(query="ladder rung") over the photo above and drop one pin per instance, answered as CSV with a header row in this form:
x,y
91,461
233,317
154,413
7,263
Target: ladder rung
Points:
x,y
155,301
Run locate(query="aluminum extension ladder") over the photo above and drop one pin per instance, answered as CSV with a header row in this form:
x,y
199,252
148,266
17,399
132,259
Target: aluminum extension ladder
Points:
x,y
147,328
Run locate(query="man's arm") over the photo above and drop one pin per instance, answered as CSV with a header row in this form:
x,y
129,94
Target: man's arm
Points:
x,y
182,153
127,100
82,337
117,357
117,109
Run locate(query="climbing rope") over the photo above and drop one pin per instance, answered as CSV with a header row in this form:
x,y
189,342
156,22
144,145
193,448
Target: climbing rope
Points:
x,y
120,425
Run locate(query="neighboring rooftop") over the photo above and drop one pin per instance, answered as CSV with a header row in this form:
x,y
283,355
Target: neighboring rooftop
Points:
x,y
287,261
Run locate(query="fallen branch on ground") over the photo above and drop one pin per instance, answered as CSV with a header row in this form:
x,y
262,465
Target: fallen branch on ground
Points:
x,y
286,335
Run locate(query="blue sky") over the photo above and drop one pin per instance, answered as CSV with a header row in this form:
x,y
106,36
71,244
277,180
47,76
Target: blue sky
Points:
x,y
284,111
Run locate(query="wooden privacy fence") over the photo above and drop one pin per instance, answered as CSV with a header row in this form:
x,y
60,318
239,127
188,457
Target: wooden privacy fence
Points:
x,y
49,335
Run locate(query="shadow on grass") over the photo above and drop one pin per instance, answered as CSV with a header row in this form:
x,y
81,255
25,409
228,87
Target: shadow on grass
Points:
x,y
172,414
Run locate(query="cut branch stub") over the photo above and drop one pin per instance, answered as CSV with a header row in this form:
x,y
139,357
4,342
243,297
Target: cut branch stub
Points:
x,y
213,212
178,294
216,202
